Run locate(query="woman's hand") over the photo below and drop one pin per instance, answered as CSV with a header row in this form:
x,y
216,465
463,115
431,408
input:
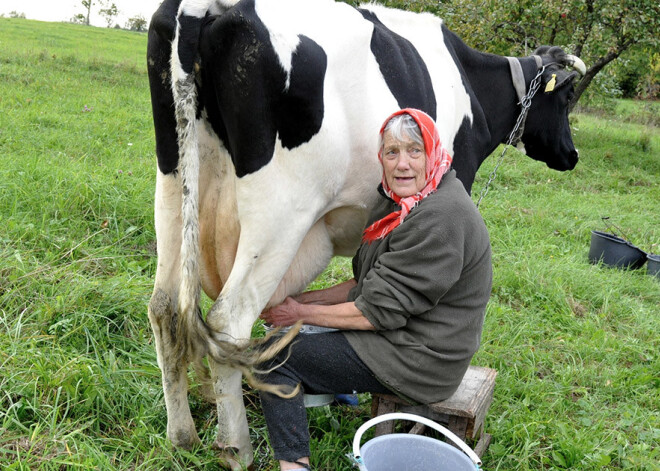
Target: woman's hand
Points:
x,y
285,314
344,316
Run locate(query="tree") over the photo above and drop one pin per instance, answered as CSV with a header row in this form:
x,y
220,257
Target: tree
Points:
x,y
597,31
78,18
110,12
609,28
88,7
137,23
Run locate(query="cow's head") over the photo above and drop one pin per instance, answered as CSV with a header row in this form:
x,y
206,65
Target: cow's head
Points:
x,y
547,134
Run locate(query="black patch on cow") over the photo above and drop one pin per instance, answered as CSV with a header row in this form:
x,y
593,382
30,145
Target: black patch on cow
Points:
x,y
299,112
159,50
188,41
475,140
244,88
402,67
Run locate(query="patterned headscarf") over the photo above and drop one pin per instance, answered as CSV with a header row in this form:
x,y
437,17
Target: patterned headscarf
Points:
x,y
438,162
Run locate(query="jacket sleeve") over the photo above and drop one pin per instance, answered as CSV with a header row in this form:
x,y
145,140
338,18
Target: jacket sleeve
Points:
x,y
424,260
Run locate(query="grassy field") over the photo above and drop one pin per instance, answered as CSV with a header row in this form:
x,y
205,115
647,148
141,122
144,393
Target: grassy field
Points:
x,y
576,345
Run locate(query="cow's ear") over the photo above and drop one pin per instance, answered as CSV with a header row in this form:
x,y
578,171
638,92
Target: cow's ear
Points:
x,y
558,80
567,79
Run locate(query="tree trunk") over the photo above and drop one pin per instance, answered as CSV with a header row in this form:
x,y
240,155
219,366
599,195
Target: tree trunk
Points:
x,y
89,9
589,76
581,41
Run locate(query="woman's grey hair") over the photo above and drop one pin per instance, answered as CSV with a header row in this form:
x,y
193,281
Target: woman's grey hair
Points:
x,y
401,126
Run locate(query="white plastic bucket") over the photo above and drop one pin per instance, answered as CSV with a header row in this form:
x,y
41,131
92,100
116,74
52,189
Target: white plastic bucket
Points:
x,y
409,452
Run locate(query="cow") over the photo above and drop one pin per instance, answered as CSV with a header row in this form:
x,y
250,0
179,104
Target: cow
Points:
x,y
266,119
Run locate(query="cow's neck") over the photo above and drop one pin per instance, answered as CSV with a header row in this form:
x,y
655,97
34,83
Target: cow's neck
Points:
x,y
492,84
495,102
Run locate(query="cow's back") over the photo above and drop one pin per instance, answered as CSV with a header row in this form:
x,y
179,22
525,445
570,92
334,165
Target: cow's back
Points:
x,y
287,80
452,103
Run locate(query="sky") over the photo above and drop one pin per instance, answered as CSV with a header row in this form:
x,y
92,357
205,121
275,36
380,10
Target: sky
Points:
x,y
63,10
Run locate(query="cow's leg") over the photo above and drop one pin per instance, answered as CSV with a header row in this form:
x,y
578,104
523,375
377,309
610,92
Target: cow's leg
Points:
x,y
180,427
272,231
316,250
233,432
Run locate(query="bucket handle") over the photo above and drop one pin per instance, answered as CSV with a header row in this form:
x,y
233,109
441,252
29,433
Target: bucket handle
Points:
x,y
611,226
414,418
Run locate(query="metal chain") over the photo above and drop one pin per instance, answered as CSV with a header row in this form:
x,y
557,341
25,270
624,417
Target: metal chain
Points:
x,y
516,133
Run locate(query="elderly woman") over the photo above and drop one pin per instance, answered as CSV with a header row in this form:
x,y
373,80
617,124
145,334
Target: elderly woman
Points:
x,y
411,319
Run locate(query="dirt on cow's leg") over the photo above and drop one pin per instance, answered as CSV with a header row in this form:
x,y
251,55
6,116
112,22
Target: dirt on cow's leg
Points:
x,y
180,426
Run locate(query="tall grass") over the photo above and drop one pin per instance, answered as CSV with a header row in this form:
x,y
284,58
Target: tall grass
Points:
x,y
576,345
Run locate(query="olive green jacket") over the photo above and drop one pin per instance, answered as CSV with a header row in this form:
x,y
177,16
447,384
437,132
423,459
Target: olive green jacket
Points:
x,y
424,287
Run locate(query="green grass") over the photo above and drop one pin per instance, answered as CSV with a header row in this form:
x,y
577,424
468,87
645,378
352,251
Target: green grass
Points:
x,y
576,345
633,111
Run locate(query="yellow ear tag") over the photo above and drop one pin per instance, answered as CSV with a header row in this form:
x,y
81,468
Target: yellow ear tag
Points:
x,y
551,83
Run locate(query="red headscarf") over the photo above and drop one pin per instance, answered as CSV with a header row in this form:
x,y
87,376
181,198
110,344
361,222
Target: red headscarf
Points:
x,y
438,162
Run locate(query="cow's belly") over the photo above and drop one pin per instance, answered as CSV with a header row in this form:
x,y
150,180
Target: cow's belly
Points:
x,y
219,228
337,232
345,226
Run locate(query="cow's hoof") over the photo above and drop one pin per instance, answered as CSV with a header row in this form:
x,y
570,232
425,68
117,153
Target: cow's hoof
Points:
x,y
230,458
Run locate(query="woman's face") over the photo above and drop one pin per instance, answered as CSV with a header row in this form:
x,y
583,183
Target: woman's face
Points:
x,y
404,164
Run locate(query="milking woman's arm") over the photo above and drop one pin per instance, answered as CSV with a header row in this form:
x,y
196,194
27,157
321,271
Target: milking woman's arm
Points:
x,y
343,316
334,295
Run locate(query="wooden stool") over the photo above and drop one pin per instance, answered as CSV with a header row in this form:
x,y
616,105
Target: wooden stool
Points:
x,y
463,413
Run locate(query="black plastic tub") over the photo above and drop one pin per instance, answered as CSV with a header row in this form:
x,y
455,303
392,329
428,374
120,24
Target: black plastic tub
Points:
x,y
615,251
653,266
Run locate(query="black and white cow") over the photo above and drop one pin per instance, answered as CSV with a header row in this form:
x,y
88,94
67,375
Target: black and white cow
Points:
x,y
267,116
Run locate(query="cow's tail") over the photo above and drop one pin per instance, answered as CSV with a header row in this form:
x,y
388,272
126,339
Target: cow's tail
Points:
x,y
193,337
184,91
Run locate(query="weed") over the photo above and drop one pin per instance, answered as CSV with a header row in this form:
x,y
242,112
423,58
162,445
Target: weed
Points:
x,y
644,142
